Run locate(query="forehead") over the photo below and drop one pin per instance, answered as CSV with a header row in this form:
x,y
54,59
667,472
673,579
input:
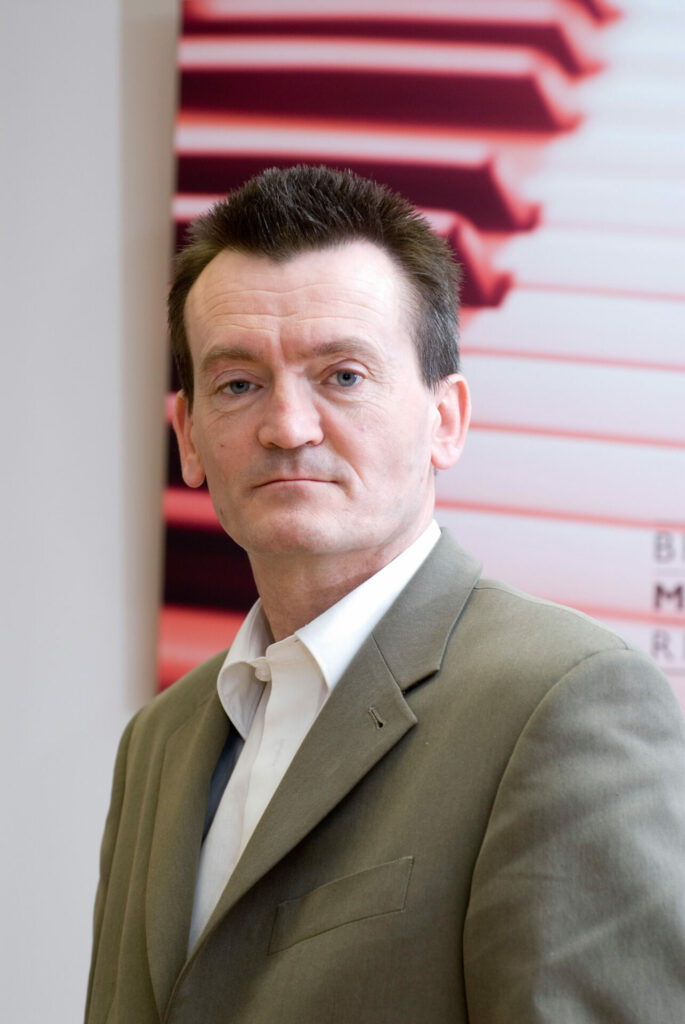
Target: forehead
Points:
x,y
356,281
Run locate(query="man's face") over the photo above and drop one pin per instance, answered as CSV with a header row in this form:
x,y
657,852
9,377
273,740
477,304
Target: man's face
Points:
x,y
310,419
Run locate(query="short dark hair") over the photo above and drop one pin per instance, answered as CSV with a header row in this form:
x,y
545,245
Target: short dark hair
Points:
x,y
281,213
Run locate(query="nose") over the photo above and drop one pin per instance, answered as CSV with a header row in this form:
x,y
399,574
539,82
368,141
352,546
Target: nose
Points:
x,y
290,419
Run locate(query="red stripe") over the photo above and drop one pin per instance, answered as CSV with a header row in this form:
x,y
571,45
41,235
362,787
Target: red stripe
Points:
x,y
562,515
194,509
585,289
579,435
558,357
618,229
622,614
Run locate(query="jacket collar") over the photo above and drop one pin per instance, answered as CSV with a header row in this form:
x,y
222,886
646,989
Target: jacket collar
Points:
x,y
433,602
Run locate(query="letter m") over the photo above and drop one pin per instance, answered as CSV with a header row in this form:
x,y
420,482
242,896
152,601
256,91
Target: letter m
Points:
x,y
663,594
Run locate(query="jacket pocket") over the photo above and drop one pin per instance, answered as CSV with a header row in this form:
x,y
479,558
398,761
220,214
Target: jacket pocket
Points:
x,y
378,890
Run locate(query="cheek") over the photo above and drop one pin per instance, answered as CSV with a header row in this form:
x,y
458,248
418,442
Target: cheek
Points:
x,y
220,450
399,462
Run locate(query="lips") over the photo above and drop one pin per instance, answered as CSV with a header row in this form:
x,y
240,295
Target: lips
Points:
x,y
293,480
291,475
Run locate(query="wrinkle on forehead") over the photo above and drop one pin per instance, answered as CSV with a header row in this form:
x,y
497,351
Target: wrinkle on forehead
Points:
x,y
221,293
224,301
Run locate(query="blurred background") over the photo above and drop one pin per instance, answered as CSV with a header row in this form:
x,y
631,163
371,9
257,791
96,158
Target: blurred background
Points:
x,y
543,138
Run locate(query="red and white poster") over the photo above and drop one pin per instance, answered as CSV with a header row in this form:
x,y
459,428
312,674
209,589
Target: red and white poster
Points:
x,y
544,139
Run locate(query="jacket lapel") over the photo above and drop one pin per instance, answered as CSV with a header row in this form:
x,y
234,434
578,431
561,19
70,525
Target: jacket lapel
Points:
x,y
413,636
190,755
343,745
347,739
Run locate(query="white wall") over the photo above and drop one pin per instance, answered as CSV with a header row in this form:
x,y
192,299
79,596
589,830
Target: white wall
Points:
x,y
87,92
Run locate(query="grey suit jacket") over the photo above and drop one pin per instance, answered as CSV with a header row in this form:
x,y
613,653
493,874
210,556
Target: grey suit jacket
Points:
x,y
486,823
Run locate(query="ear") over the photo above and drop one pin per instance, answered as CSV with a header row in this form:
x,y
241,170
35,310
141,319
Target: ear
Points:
x,y
182,421
453,409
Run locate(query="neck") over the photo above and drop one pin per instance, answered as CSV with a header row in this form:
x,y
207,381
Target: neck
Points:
x,y
295,590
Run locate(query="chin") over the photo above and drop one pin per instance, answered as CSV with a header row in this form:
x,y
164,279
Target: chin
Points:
x,y
291,537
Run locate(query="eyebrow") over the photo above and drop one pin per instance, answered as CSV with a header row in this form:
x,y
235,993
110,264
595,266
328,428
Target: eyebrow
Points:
x,y
221,353
225,353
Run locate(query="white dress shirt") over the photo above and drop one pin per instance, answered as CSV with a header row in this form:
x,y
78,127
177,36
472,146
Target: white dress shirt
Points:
x,y
272,693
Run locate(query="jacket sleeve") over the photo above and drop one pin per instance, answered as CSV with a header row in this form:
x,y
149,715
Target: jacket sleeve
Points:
x,y
107,849
577,906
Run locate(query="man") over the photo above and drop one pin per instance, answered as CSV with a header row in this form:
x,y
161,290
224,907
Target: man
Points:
x,y
406,794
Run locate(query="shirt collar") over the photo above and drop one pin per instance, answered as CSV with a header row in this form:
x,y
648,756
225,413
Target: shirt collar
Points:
x,y
332,639
335,636
238,688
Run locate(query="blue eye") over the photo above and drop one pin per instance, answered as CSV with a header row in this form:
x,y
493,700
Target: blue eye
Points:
x,y
347,378
238,387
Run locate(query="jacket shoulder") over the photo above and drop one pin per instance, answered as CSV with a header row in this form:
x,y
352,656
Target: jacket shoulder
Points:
x,y
539,641
179,701
513,608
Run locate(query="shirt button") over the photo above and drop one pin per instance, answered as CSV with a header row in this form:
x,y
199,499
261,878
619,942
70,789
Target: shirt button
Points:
x,y
262,670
